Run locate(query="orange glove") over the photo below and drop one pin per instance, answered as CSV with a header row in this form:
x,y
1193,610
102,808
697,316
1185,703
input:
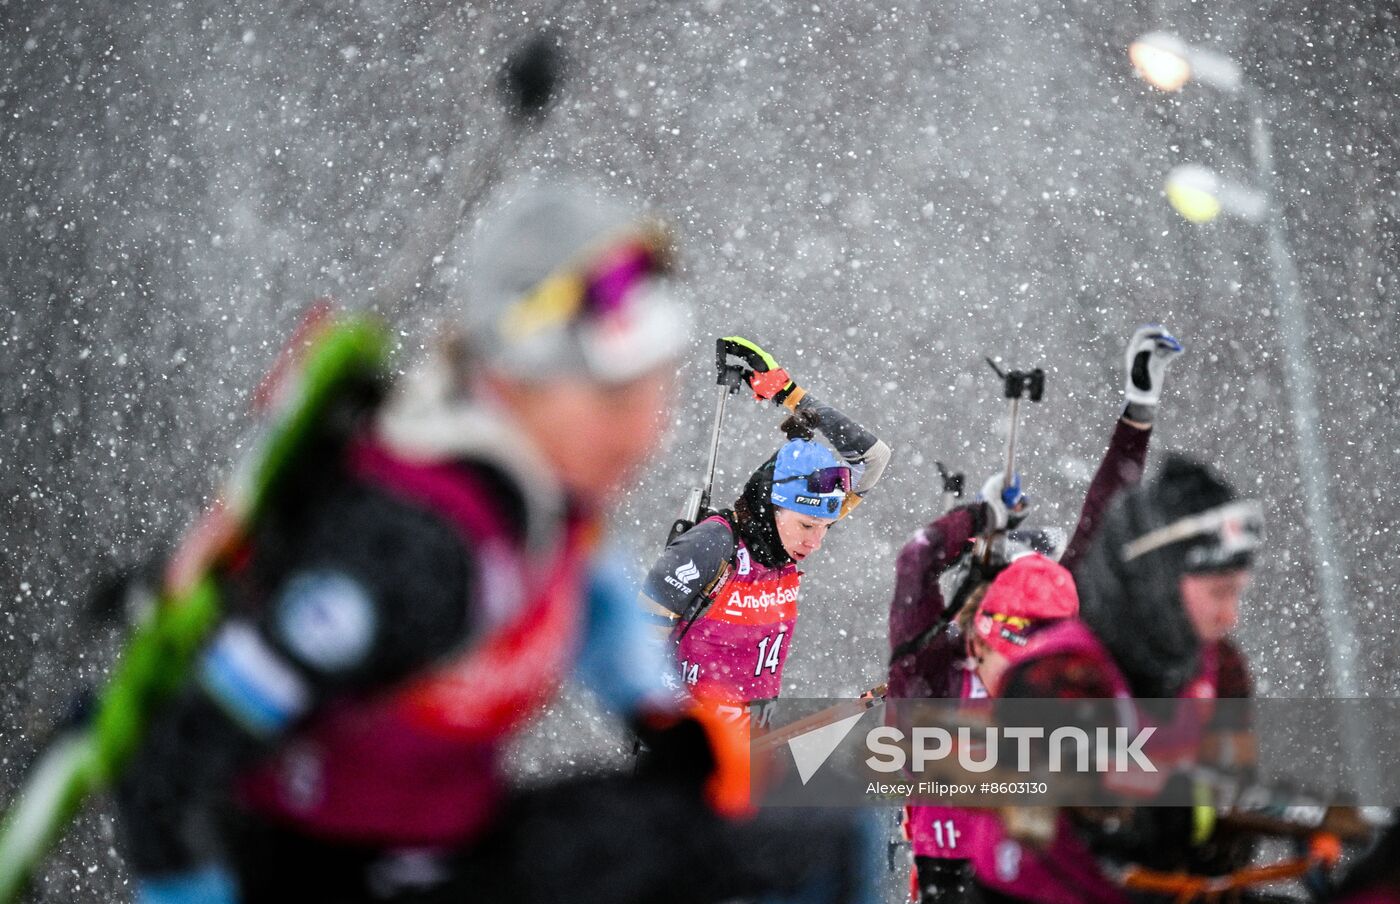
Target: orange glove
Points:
x,y
704,747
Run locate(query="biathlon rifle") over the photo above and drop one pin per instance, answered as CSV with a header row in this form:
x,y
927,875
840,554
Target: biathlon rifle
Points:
x,y
770,741
953,485
729,376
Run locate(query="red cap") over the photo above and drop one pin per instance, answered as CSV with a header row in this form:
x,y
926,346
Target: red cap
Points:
x,y
1031,589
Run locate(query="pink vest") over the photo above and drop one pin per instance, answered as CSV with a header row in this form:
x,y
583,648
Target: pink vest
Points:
x,y
419,764
1068,872
950,833
735,650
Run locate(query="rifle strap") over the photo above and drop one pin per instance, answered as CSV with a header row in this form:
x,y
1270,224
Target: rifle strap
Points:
x,y
705,598
977,575
918,642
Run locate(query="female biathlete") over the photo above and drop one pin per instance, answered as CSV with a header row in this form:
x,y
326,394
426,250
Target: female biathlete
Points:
x,y
999,606
726,590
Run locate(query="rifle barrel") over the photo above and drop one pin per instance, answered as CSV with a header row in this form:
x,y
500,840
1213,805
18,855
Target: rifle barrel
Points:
x,y
714,445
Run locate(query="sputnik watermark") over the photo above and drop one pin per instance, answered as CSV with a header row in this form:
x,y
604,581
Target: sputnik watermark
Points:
x,y
925,789
1109,751
1274,755
978,751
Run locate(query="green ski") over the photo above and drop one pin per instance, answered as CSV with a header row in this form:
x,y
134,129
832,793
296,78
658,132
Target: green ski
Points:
x,y
334,363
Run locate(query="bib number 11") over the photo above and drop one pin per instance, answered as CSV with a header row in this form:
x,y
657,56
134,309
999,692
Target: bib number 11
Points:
x,y
768,651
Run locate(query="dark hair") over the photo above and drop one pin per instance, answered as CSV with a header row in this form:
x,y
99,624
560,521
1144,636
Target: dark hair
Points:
x,y
752,517
800,425
752,514
1134,606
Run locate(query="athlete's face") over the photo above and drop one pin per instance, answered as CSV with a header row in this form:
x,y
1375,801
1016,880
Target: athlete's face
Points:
x,y
596,436
801,535
991,665
1212,602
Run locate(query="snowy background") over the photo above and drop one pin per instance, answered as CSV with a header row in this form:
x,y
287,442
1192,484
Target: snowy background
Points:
x,y
880,193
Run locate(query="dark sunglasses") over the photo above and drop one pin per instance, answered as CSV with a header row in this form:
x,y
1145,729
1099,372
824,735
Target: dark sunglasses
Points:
x,y
824,480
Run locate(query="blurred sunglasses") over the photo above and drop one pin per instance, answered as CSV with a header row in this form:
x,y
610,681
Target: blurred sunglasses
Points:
x,y
824,480
600,289
1237,527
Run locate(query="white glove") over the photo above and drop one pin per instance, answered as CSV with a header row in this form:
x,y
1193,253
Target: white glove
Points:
x,y
1145,363
1006,506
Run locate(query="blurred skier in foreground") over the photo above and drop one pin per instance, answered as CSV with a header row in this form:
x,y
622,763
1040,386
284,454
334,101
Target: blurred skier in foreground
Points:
x,y
401,617
727,589
934,652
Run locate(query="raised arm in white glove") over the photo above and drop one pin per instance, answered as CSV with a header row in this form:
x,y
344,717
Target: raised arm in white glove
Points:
x,y
1151,350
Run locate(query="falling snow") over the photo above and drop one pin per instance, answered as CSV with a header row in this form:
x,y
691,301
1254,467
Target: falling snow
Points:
x,y
881,193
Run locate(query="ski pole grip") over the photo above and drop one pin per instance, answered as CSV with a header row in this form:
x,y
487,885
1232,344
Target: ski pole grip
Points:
x,y
1018,384
727,374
